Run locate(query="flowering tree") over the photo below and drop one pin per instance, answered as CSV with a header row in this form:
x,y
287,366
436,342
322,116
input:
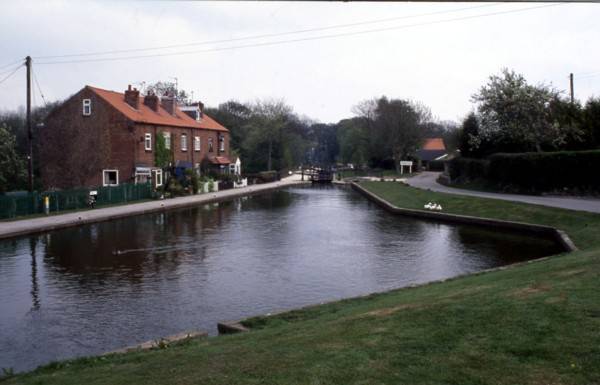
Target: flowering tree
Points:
x,y
512,111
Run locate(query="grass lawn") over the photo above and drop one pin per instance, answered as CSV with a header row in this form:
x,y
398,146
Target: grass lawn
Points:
x,y
536,323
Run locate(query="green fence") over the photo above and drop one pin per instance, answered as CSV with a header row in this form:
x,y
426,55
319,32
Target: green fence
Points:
x,y
17,205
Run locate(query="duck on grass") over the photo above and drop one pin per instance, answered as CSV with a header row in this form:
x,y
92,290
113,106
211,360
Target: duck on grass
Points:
x,y
433,206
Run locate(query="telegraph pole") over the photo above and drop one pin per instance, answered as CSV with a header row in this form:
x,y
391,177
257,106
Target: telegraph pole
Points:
x,y
29,132
571,84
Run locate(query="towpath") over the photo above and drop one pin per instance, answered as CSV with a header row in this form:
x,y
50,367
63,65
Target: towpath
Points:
x,y
39,224
428,181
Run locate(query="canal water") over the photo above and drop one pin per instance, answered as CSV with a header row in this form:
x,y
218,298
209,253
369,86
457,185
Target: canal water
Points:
x,y
96,288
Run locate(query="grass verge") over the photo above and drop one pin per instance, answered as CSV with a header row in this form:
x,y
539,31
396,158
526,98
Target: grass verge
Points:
x,y
538,323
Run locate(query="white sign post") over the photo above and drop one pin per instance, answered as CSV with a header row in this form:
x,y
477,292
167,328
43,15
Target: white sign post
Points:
x,y
407,163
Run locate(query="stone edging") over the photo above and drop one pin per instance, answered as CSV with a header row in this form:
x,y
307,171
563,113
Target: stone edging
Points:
x,y
560,236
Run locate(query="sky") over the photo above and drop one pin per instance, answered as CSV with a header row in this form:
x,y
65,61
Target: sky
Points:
x,y
439,54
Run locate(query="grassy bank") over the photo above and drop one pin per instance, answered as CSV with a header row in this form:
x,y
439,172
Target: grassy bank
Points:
x,y
537,323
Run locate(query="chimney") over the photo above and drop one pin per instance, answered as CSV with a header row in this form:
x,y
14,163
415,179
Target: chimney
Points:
x,y
193,110
132,97
151,101
201,108
168,102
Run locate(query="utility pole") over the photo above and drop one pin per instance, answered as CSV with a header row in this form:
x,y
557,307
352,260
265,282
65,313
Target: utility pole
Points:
x,y
29,132
571,84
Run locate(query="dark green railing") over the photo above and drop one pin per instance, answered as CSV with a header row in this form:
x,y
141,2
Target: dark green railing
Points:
x,y
17,205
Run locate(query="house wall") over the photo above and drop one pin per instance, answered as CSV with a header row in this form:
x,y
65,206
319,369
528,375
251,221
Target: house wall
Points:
x,y
74,149
146,158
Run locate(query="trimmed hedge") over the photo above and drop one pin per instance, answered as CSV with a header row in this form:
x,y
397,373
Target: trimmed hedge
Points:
x,y
532,171
467,169
547,171
435,165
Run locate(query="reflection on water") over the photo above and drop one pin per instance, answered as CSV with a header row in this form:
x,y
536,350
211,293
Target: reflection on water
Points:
x,y
99,287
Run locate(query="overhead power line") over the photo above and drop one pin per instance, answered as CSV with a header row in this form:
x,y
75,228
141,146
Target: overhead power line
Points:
x,y
268,35
279,42
38,87
11,74
588,75
12,63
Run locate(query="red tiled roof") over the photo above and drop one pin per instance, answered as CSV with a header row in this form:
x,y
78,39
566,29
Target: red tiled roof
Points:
x,y
161,117
220,160
434,144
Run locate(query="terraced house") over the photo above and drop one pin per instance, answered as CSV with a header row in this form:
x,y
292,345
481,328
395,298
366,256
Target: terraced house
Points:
x,y
100,138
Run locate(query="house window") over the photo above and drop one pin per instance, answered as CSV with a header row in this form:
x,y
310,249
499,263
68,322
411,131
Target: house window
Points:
x,y
210,145
196,143
158,178
183,142
222,143
148,142
167,137
110,177
87,107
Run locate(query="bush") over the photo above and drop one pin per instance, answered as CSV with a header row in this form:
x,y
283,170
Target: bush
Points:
x,y
267,176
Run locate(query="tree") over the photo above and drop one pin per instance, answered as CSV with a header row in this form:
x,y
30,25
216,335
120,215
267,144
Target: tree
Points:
x,y
235,116
162,88
12,167
353,140
163,156
591,121
512,111
396,127
469,136
326,147
265,129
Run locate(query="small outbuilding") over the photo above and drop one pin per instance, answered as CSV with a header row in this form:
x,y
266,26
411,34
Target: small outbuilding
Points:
x,y
433,149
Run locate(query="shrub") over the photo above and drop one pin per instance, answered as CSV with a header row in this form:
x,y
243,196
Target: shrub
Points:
x,y
267,176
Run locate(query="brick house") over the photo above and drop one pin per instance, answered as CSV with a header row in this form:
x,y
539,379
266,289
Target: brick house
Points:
x,y
99,137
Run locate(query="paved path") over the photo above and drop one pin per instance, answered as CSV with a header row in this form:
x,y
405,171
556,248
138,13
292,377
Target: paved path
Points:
x,y
34,225
427,180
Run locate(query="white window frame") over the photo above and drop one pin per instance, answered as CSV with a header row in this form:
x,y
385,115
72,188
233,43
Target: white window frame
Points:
x,y
87,107
183,142
197,143
148,142
210,144
105,179
158,177
222,143
167,137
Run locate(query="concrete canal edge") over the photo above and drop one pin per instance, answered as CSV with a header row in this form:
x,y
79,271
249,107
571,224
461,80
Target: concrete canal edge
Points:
x,y
160,343
560,236
10,229
231,327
